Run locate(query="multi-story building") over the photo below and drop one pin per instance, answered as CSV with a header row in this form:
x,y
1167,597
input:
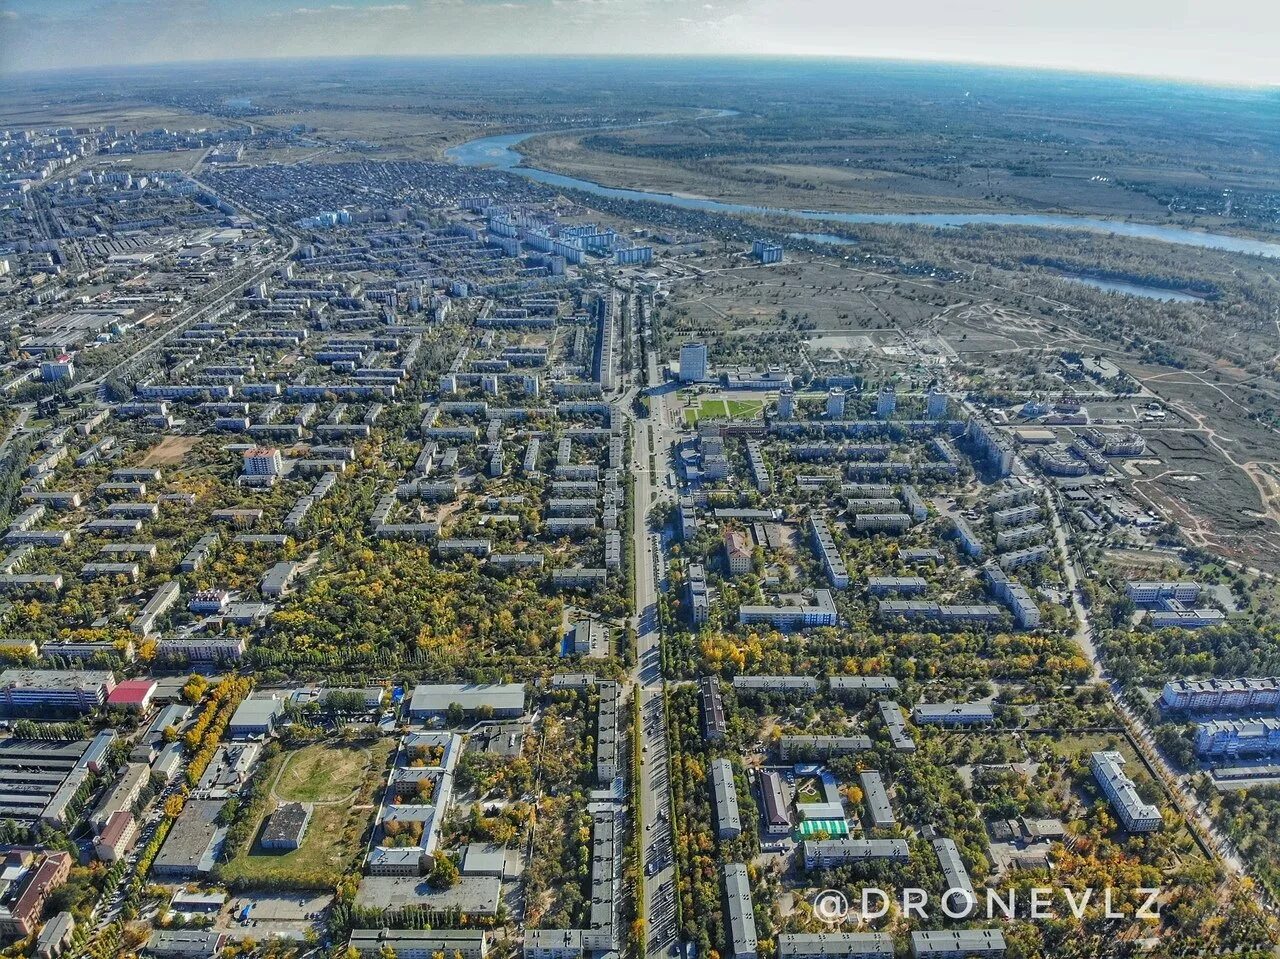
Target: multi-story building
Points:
x,y
1238,738
1134,814
32,880
914,503
786,404
759,468
263,461
688,519
1146,592
785,685
993,447
969,541
421,943
936,404
945,614
553,944
607,733
849,686
1261,695
957,887
698,595
714,725
886,402
822,853
693,362
1020,536
896,726
1016,515
876,799
1009,591
824,545
835,945
1030,556
958,942
725,796
737,552
821,611
766,251
835,403
144,624
809,747
117,836
899,585
882,522
1181,617
741,913
23,690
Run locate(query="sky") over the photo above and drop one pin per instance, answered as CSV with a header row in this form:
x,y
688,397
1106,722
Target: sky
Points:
x,y
1217,41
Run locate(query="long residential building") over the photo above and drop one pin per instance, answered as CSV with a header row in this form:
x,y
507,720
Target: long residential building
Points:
x,y
876,800
419,943
896,726
821,611
607,733
144,624
821,853
957,887
714,725
1144,592
1261,695
725,795
824,545
1238,738
958,942
786,685
1134,813
741,913
835,945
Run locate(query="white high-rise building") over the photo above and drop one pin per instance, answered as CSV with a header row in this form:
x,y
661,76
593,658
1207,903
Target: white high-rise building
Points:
x,y
693,362
936,405
786,404
263,461
835,403
887,403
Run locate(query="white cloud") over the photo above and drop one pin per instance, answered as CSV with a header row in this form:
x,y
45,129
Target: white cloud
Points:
x,y
1186,37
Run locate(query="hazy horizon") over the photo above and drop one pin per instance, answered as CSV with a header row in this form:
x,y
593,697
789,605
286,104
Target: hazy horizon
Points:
x,y
1187,41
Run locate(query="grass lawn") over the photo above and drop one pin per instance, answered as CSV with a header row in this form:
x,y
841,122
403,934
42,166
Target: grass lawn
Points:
x,y
321,773
744,409
341,781
721,409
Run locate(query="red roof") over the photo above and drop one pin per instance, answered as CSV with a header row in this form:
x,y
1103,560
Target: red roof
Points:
x,y
115,828
132,692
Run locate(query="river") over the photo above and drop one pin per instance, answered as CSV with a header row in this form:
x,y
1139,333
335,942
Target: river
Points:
x,y
1131,288
500,153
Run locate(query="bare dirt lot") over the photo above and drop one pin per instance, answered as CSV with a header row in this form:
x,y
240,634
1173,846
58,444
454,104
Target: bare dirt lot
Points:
x,y
170,451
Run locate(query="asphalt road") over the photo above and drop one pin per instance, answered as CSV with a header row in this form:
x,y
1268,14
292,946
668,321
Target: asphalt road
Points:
x,y
654,787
